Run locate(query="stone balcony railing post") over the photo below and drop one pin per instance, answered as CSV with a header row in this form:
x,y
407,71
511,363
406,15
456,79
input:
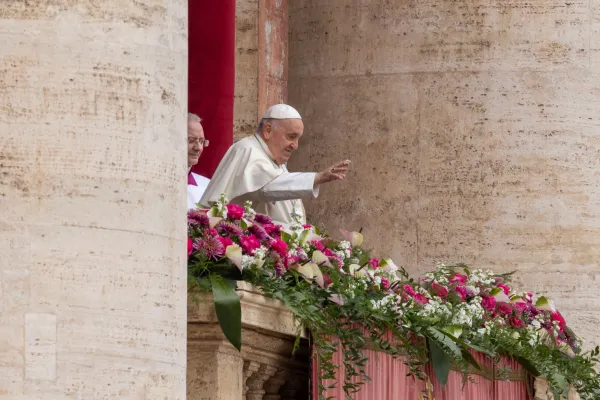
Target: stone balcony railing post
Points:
x,y
542,392
265,368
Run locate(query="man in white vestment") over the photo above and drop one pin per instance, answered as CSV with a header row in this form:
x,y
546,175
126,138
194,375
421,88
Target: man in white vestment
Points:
x,y
255,169
196,143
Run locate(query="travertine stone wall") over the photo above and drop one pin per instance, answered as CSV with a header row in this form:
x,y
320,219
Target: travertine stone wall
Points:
x,y
261,61
473,128
92,210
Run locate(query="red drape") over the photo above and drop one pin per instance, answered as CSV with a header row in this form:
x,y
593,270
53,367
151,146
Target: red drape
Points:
x,y
212,76
389,381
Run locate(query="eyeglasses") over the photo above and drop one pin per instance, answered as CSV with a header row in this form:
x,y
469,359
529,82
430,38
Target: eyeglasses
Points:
x,y
200,142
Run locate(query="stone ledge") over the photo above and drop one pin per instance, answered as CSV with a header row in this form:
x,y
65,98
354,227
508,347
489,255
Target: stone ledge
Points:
x,y
263,369
258,312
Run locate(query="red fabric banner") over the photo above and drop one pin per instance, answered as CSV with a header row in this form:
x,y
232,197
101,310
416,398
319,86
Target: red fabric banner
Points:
x,y
212,76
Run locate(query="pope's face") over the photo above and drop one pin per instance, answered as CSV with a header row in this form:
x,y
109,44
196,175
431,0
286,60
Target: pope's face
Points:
x,y
282,137
195,142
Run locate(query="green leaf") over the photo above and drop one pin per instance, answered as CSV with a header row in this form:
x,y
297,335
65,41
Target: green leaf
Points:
x,y
446,341
441,362
467,356
562,383
229,310
525,363
286,237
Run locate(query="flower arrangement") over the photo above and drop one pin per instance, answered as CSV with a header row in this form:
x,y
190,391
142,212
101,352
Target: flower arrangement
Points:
x,y
342,294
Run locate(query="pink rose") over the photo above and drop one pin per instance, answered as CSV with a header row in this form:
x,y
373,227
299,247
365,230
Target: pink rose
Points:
x,y
439,290
458,278
249,244
505,288
488,303
374,263
385,284
190,246
225,241
520,306
462,292
279,246
234,211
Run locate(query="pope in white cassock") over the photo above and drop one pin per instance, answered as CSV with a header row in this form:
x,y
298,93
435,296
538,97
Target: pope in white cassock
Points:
x,y
196,144
255,169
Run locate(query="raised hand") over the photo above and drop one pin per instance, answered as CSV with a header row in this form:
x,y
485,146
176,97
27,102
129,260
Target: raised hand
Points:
x,y
334,173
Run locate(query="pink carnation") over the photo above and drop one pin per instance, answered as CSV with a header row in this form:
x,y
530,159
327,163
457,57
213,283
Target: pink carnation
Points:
x,y
279,246
234,211
439,290
488,303
307,226
505,288
419,298
249,244
273,230
374,263
317,245
190,246
385,284
409,290
462,292
458,278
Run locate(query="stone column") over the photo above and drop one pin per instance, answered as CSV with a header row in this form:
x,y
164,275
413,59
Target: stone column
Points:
x,y
473,130
92,201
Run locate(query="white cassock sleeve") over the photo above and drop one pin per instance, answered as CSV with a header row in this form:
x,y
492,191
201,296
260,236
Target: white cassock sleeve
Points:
x,y
288,186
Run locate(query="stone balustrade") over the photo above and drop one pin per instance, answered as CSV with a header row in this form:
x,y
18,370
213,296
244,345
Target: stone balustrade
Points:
x,y
542,392
265,368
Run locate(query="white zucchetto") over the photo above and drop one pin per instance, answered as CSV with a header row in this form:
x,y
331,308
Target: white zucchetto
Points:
x,y
282,111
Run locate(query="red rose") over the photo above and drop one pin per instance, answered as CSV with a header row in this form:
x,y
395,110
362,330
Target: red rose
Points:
x,y
249,244
505,309
488,303
516,322
439,290
279,246
234,211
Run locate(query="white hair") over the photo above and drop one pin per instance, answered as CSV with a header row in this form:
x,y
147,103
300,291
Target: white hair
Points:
x,y
194,118
264,121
